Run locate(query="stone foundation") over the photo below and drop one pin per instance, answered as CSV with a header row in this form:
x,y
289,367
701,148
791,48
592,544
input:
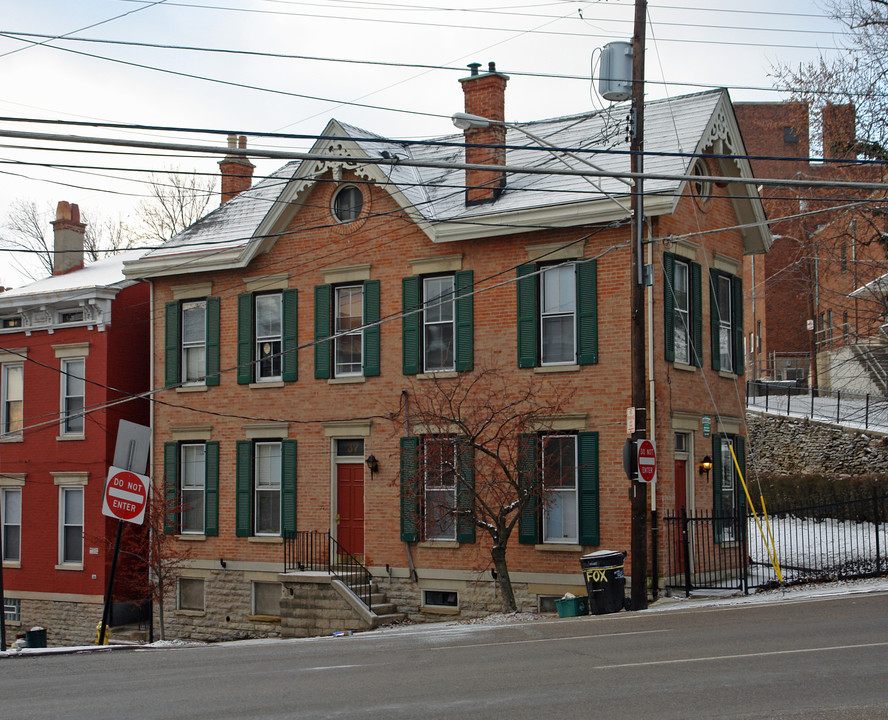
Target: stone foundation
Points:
x,y
315,604
66,623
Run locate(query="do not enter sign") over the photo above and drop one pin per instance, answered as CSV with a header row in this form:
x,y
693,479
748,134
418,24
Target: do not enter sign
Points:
x,y
647,461
126,495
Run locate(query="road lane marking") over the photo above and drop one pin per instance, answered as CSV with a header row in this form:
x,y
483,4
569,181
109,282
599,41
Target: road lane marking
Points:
x,y
330,667
740,656
542,640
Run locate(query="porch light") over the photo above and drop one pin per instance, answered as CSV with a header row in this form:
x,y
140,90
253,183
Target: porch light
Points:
x,y
705,466
372,463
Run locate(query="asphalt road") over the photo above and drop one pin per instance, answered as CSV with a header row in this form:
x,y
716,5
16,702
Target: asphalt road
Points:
x,y
824,658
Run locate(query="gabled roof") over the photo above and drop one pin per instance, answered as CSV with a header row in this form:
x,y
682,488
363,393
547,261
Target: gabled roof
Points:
x,y
233,234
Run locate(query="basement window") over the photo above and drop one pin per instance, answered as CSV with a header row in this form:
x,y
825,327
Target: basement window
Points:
x,y
12,610
440,598
267,599
191,594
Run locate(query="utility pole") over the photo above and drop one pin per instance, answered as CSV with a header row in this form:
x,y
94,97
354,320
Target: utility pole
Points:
x,y
639,387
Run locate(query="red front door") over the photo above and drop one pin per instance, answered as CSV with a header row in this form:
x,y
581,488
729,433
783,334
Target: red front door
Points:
x,y
681,501
350,507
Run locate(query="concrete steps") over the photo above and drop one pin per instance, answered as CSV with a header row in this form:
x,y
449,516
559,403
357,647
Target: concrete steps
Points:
x,y
385,611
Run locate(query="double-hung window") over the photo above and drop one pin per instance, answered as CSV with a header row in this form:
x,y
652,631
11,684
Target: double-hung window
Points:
x,y
11,523
437,489
559,473
557,314
265,487
192,342
558,477
347,330
683,311
191,488
13,398
71,525
729,510
267,337
437,325
726,322
73,396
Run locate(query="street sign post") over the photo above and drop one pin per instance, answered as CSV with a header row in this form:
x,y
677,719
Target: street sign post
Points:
x,y
647,461
126,495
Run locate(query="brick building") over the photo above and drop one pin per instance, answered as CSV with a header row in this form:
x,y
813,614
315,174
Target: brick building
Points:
x,y
74,345
823,255
295,318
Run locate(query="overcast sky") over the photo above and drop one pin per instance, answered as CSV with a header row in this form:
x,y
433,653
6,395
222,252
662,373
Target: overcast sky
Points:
x,y
690,47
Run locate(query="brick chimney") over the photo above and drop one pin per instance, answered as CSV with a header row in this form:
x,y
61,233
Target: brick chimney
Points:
x,y
485,96
237,170
68,234
839,131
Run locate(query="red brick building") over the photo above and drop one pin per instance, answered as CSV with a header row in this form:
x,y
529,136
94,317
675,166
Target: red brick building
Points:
x,y
74,345
285,339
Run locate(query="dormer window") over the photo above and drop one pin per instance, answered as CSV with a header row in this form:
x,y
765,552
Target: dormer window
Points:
x,y
347,204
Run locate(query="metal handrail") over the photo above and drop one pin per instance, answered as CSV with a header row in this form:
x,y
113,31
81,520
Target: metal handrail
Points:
x,y
313,550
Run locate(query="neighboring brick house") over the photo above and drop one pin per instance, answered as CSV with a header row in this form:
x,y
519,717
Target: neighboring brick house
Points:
x,y
267,419
72,346
820,257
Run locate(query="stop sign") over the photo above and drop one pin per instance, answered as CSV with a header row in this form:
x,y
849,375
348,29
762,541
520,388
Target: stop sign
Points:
x,y
126,495
647,460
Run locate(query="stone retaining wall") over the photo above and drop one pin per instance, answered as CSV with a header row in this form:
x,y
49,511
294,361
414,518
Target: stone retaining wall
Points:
x,y
787,446
66,623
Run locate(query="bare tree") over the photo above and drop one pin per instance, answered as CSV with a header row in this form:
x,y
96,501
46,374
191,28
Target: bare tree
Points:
x,y
27,231
476,464
176,200
857,76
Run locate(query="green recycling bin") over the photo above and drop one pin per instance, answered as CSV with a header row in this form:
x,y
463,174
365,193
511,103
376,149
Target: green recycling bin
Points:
x,y
605,582
35,637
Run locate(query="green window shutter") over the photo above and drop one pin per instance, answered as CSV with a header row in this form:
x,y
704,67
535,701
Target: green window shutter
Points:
x,y
290,342
322,350
697,314
464,286
213,322
243,486
465,491
587,312
288,486
244,339
527,316
587,487
528,481
211,503
172,344
171,487
718,524
737,323
372,333
410,489
669,305
713,319
410,325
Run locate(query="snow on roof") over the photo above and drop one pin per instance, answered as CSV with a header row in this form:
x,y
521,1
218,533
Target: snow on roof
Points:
x,y
100,274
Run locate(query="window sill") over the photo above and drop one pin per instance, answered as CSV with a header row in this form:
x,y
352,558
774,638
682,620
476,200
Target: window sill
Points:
x,y
191,537
558,547
271,619
191,613
683,367
11,439
191,388
270,540
449,544
346,380
70,566
439,375
556,368
71,436
434,610
727,375
12,565
267,384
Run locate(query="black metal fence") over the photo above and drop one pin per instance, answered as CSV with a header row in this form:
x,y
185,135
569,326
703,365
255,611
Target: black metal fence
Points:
x,y
828,538
832,406
312,550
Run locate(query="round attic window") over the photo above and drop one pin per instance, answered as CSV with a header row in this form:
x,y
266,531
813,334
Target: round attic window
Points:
x,y
347,204
700,187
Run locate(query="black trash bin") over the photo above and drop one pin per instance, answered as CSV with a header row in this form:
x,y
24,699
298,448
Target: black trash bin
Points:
x,y
605,582
35,637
